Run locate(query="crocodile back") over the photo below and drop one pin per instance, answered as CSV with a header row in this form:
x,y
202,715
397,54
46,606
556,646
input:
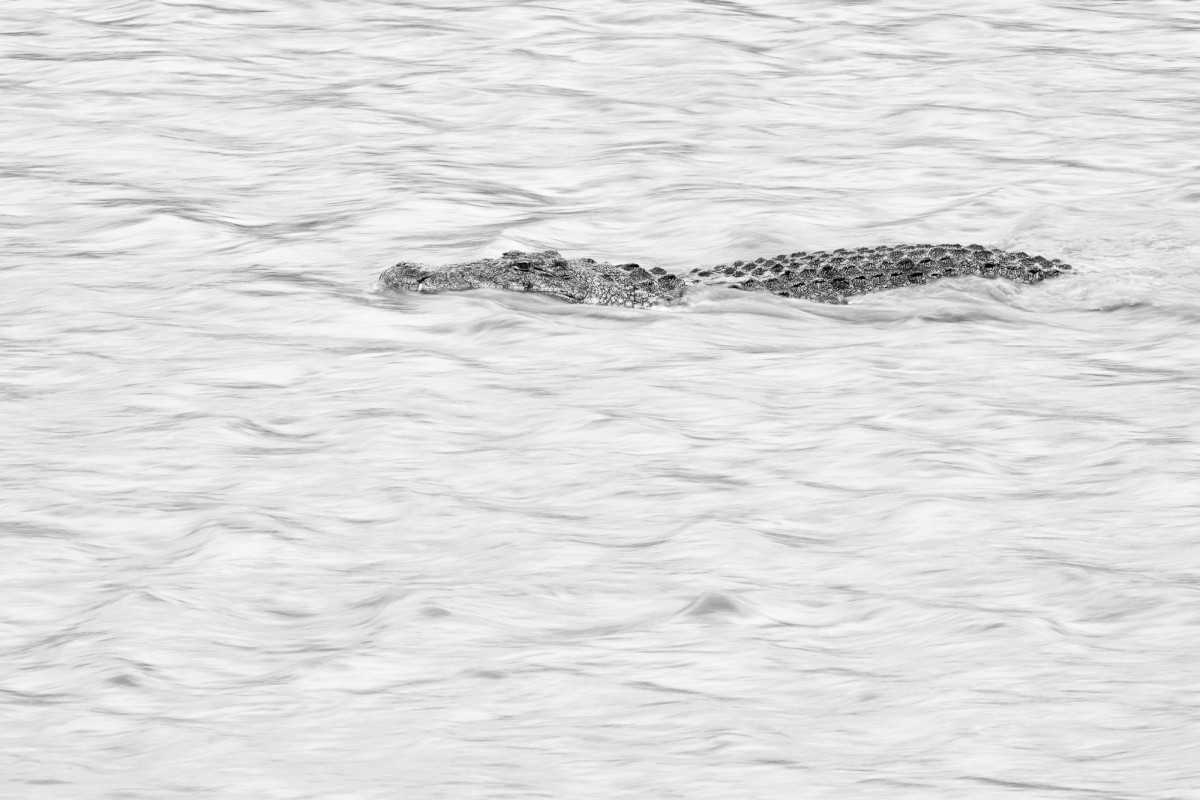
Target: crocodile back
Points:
x,y
831,276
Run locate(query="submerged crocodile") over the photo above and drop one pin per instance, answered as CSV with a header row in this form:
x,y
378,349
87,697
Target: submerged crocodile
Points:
x,y
825,277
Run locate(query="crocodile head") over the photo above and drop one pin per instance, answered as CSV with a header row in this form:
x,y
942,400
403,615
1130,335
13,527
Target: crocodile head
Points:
x,y
579,280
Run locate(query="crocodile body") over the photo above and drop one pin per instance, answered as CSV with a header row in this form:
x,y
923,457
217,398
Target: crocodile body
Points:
x,y
824,277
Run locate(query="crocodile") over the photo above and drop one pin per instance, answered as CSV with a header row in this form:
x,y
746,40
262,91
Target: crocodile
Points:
x,y
822,276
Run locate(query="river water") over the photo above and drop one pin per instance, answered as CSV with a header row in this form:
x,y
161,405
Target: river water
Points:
x,y
267,531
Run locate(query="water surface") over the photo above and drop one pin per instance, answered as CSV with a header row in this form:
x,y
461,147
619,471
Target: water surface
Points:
x,y
269,532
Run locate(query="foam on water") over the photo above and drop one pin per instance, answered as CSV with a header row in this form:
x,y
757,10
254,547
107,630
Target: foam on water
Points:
x,y
270,532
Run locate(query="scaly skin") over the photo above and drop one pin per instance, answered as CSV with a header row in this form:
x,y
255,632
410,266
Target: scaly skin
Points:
x,y
824,277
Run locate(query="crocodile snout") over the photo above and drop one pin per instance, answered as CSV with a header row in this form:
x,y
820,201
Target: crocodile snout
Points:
x,y
405,276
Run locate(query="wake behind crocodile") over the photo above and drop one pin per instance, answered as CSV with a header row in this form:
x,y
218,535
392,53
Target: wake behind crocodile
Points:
x,y
822,276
